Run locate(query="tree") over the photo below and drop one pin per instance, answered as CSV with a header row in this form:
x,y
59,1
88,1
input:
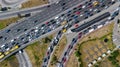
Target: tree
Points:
x,y
54,59
77,53
114,62
110,58
115,53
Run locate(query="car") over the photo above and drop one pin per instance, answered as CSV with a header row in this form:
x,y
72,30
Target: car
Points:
x,y
95,26
45,59
80,6
62,15
78,12
85,31
75,17
59,32
80,9
103,5
73,39
47,53
65,53
80,35
46,22
1,37
26,42
85,17
63,4
74,8
81,15
69,19
106,7
27,15
69,11
68,14
76,25
91,14
64,60
83,6
64,30
8,30
98,11
5,38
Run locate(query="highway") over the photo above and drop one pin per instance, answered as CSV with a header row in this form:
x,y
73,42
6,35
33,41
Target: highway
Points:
x,y
68,50
23,59
34,27
12,32
14,13
49,52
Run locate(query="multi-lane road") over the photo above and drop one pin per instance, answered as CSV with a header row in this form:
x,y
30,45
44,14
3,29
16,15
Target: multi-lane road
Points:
x,y
18,36
15,13
49,52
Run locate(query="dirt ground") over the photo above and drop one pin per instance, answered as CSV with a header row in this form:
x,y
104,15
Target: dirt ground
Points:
x,y
91,46
33,3
37,51
73,62
10,62
6,22
98,33
106,63
59,49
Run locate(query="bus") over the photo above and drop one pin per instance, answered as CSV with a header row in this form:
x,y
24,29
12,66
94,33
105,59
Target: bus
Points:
x,y
14,48
1,56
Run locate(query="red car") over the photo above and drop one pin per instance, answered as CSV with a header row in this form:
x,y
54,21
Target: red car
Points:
x,y
47,52
77,12
76,25
80,35
64,60
79,6
46,22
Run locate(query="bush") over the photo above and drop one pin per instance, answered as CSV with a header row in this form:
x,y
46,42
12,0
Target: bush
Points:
x,y
115,53
77,53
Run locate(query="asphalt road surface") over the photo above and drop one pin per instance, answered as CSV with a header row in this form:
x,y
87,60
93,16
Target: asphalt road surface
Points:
x,y
47,57
23,59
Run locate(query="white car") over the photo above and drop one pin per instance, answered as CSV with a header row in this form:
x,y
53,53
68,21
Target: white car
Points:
x,y
83,6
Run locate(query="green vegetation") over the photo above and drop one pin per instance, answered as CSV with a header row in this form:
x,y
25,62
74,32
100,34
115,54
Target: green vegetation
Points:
x,y
54,60
106,39
113,57
10,62
6,22
37,50
77,53
58,51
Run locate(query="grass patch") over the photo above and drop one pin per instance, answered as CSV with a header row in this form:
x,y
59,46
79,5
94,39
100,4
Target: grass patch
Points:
x,y
10,62
33,3
37,51
6,22
59,49
97,37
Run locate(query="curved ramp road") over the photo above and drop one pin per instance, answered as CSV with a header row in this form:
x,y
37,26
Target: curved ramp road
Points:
x,y
23,59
